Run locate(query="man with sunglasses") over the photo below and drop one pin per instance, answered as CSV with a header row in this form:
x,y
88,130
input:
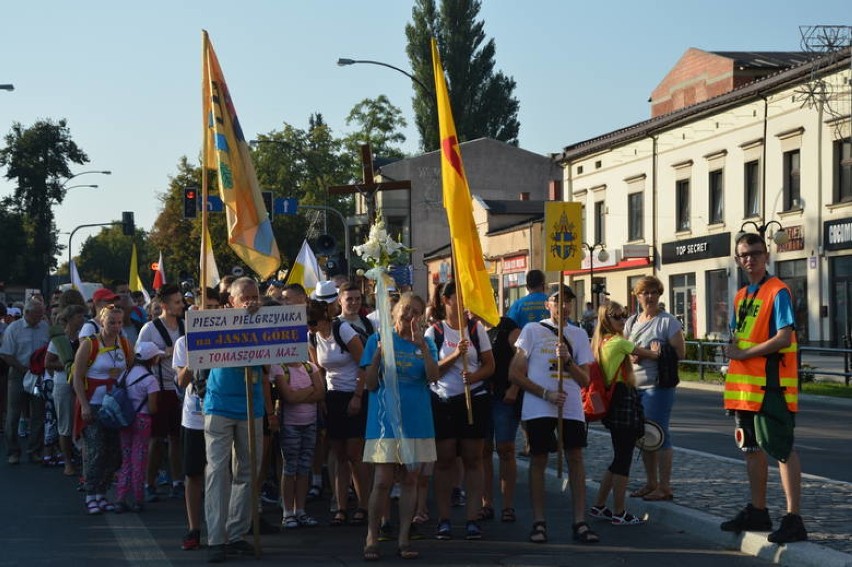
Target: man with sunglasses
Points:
x,y
762,379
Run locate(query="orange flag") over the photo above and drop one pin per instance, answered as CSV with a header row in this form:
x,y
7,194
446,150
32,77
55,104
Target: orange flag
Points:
x,y
470,274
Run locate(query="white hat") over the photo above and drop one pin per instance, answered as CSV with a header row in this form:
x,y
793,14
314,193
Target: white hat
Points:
x,y
147,350
325,291
653,438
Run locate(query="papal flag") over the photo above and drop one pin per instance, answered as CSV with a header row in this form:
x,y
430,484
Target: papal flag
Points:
x,y
226,151
470,273
563,236
306,270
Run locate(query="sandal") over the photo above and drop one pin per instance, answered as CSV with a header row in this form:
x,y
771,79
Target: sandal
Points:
x,y
338,519
405,552
105,505
290,523
539,532
657,496
371,553
584,534
359,517
508,515
92,507
421,519
486,513
642,492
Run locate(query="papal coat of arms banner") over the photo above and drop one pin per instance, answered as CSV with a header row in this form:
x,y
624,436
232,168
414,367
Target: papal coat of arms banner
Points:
x,y
563,236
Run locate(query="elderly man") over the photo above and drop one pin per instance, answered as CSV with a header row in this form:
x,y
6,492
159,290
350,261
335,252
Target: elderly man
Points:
x,y
21,339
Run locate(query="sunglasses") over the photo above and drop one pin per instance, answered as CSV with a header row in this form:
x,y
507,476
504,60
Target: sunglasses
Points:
x,y
620,317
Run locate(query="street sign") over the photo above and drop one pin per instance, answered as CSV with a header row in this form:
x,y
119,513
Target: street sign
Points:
x,y
214,204
285,205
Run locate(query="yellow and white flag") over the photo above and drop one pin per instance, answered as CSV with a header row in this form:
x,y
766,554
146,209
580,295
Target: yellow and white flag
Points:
x,y
563,236
306,270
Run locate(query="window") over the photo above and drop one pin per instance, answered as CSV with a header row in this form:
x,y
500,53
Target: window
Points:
x,y
682,204
792,189
717,197
632,301
682,302
635,215
752,189
600,232
795,275
718,310
842,171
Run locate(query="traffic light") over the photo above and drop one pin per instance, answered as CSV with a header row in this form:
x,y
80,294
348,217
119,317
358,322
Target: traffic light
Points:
x,y
190,202
325,245
128,225
267,202
336,265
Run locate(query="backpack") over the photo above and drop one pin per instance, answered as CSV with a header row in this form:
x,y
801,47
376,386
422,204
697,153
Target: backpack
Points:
x,y
117,411
596,396
167,338
471,332
335,331
96,349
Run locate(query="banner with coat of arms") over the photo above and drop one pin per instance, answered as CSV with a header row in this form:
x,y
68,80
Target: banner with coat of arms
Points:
x,y
563,236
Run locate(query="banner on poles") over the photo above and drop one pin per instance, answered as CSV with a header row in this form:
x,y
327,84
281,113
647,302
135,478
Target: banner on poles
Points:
x,y
222,338
563,236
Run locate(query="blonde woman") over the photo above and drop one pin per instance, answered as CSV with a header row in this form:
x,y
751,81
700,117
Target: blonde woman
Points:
x,y
625,420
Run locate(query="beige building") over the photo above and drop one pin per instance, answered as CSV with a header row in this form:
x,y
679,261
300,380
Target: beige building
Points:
x,y
722,154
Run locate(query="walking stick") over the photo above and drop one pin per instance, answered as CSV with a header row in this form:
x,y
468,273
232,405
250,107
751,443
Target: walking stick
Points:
x,y
560,451
255,514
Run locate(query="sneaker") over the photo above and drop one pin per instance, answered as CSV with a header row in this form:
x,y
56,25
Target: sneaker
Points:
x,y
386,531
749,519
216,553
269,494
626,519
472,530
177,490
600,512
306,521
240,547
151,494
792,529
290,522
444,531
459,498
395,491
192,540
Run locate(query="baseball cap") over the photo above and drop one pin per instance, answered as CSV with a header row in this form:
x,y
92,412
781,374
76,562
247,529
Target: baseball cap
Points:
x,y
568,293
104,294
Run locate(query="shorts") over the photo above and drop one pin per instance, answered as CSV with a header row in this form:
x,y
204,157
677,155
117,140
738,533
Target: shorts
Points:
x,y
657,405
341,426
502,427
541,433
166,422
450,416
194,451
297,448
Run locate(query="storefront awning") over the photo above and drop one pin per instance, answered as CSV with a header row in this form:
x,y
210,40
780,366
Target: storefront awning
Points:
x,y
622,265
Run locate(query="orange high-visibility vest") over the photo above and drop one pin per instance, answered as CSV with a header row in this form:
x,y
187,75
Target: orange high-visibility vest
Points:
x,y
746,379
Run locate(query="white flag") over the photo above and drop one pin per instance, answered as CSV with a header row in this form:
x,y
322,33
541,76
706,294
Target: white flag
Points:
x,y
212,278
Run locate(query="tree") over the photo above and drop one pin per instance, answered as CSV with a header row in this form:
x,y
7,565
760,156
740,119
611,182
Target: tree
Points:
x,y
12,262
378,122
105,257
482,100
38,159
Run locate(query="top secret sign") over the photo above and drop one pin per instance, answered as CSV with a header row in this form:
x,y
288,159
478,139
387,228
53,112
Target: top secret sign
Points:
x,y
221,338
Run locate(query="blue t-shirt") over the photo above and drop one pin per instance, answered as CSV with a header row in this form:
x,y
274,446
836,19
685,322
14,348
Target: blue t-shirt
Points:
x,y
226,392
782,311
529,309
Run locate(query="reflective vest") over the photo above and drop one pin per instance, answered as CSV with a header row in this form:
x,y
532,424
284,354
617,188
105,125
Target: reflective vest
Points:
x,y
745,382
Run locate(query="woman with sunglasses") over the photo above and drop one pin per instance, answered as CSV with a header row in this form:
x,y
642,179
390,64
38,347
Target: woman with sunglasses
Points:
x,y
625,420
653,325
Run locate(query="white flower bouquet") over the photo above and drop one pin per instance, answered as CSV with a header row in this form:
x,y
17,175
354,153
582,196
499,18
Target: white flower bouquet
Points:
x,y
381,250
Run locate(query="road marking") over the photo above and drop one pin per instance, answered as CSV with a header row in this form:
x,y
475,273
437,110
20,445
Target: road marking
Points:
x,y
135,540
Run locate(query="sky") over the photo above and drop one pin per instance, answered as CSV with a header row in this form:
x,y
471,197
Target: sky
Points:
x,y
127,76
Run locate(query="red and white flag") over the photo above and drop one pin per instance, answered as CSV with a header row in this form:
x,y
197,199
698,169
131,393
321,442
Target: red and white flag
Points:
x,y
160,274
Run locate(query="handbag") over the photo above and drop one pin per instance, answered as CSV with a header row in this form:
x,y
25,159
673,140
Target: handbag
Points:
x,y
667,367
32,383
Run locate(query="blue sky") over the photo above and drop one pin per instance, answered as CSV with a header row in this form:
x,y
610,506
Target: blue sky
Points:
x,y
127,76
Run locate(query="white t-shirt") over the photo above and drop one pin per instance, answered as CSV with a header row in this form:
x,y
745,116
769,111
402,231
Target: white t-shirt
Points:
x,y
450,384
165,372
341,368
88,329
138,387
192,417
539,346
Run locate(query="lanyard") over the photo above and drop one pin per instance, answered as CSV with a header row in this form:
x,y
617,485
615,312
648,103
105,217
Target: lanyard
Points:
x,y
746,305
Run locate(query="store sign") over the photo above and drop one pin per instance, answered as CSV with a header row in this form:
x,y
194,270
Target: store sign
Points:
x,y
515,264
837,235
797,239
701,248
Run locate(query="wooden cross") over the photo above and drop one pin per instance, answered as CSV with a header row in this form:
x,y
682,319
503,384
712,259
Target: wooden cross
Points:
x,y
368,187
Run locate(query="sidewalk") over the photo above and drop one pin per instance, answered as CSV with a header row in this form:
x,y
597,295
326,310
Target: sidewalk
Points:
x,y
711,489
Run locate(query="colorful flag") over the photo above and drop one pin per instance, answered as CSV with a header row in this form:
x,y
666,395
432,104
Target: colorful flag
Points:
x,y
563,236
160,273
470,273
226,151
306,270
212,277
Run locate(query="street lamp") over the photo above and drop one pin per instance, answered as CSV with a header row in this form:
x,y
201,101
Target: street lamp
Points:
x,y
343,62
75,186
7,87
603,256
102,172
780,236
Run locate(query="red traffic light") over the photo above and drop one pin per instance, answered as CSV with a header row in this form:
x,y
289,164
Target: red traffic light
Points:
x,y
190,194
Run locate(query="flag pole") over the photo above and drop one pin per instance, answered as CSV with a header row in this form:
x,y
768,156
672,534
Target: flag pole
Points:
x,y
560,421
468,401
205,111
255,514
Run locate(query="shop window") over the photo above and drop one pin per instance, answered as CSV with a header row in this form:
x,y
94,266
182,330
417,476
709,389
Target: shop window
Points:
x,y
682,302
718,310
794,273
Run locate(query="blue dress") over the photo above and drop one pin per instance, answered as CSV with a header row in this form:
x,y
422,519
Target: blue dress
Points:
x,y
417,443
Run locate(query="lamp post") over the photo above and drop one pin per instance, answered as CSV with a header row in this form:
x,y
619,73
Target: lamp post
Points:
x,y
780,236
75,186
344,62
102,172
603,256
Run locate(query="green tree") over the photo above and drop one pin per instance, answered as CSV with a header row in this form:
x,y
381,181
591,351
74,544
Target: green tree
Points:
x,y
378,122
12,262
482,100
38,158
105,257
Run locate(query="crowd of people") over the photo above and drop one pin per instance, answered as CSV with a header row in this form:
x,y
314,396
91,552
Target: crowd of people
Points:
x,y
454,393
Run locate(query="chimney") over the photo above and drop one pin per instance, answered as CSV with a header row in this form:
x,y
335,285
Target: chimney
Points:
x,y
524,196
554,192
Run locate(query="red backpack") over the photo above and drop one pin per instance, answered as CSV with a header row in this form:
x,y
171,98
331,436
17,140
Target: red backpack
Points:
x,y
596,396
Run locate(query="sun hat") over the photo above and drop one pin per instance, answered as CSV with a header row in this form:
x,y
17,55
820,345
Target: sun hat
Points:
x,y
146,350
325,291
653,438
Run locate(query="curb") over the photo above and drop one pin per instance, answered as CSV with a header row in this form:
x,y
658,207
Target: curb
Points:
x,y
706,527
